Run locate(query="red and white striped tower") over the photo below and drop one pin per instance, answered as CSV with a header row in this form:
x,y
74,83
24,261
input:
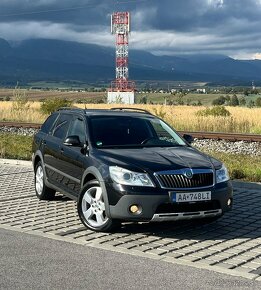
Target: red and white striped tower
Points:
x,y
121,90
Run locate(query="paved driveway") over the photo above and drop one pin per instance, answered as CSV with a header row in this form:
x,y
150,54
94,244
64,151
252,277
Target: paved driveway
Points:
x,y
230,245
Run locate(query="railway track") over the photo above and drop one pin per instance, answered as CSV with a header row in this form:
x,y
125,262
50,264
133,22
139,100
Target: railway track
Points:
x,y
199,135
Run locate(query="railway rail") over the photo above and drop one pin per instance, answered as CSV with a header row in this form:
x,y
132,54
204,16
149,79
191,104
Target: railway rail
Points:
x,y
199,135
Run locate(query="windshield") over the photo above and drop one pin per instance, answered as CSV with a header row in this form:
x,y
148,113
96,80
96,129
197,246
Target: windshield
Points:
x,y
127,131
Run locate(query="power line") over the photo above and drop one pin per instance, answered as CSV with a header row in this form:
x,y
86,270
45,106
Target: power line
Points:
x,y
67,9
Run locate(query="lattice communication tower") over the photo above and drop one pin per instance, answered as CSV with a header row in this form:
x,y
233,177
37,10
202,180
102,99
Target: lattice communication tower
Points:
x,y
120,26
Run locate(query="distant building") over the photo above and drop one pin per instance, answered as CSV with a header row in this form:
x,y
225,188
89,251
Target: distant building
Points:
x,y
201,91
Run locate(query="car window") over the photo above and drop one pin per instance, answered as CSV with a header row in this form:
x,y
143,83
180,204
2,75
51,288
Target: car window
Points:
x,y
115,130
77,128
165,133
62,126
48,124
131,131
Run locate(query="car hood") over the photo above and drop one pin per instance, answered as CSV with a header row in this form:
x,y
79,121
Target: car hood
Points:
x,y
155,159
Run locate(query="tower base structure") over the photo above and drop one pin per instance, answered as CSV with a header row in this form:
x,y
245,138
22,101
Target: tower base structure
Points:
x,y
121,97
122,92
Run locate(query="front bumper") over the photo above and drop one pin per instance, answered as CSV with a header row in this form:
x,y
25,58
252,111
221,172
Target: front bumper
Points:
x,y
157,207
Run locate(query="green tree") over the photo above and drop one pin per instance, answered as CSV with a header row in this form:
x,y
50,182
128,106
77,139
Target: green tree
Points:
x,y
234,101
144,100
246,92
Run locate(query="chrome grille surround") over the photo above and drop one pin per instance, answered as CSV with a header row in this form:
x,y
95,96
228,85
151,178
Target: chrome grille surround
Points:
x,y
176,179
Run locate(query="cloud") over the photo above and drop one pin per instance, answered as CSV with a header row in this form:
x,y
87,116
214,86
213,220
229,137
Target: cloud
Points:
x,y
24,30
257,56
161,26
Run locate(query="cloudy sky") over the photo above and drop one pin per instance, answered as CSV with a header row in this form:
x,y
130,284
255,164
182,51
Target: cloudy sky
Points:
x,y
231,27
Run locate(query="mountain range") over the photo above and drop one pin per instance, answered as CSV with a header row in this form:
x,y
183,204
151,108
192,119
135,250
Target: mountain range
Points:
x,y
55,60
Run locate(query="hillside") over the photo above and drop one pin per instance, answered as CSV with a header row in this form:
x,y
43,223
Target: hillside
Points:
x,y
55,60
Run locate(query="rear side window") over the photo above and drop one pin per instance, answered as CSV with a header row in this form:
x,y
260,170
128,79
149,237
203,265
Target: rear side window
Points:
x,y
48,124
62,126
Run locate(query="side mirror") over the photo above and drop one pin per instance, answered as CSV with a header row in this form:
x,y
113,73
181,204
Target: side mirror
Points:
x,y
73,141
188,138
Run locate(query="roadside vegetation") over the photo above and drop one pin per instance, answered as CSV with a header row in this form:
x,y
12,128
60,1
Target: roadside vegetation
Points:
x,y
14,146
242,167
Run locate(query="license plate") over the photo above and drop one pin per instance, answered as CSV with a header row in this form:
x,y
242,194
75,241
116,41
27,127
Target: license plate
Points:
x,y
190,196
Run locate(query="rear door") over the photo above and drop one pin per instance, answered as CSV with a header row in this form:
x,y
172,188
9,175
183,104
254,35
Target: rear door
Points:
x,y
53,147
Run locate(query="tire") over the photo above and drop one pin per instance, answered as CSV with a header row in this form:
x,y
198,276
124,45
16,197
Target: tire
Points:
x,y
42,191
91,208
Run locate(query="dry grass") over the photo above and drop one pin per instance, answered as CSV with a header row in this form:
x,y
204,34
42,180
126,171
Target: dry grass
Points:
x,y
243,120
32,114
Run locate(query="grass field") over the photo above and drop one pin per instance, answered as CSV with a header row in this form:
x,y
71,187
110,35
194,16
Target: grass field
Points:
x,y
242,119
95,97
38,95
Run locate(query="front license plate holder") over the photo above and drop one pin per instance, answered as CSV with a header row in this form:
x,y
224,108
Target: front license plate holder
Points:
x,y
177,197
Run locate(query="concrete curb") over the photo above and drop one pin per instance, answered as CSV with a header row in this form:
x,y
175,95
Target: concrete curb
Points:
x,y
15,162
247,185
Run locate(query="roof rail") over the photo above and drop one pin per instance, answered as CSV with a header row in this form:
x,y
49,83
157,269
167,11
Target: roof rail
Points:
x,y
69,108
131,109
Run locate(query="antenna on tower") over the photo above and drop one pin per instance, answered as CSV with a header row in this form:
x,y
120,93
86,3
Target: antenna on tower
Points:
x,y
121,90
253,86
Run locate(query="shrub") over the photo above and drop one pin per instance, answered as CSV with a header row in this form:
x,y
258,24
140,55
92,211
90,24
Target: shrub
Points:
x,y
215,111
242,101
258,102
237,173
7,98
21,102
51,105
219,101
160,112
251,104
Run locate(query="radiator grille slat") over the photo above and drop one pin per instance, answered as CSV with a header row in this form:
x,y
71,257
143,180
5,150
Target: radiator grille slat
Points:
x,y
181,181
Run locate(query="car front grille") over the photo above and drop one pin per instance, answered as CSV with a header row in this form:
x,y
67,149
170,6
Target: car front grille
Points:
x,y
178,180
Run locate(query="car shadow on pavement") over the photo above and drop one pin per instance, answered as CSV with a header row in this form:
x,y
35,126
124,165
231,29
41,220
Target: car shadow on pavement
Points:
x,y
230,226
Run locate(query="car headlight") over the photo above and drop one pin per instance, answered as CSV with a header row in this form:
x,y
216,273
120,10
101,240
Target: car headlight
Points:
x,y
127,177
222,174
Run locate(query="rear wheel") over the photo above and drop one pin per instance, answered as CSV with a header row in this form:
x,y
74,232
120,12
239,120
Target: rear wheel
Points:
x,y
42,191
92,208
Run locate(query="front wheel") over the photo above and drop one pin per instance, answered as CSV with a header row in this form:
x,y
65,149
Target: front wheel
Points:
x,y
91,208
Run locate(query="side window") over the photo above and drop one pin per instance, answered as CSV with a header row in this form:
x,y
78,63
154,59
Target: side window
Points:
x,y
78,128
62,126
48,124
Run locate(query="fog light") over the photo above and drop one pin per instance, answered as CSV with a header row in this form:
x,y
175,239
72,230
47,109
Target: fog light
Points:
x,y
135,209
229,202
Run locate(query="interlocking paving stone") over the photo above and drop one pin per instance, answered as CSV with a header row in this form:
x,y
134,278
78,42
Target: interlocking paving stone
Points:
x,y
233,242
